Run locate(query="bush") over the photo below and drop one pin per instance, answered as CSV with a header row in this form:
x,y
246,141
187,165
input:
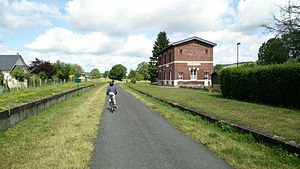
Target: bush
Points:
x,y
133,80
273,84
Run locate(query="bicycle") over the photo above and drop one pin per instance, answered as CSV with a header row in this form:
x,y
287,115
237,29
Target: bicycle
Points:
x,y
112,104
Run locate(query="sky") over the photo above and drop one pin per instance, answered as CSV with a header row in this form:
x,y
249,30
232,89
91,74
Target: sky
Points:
x,y
103,33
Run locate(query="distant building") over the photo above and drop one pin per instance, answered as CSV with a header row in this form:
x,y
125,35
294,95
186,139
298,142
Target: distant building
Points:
x,y
7,64
188,62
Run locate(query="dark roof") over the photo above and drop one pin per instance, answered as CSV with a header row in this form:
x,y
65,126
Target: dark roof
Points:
x,y
187,40
8,62
194,38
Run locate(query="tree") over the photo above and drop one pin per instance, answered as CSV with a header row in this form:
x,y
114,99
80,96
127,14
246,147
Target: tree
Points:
x,y
117,72
75,70
161,42
20,74
38,66
95,73
132,74
272,52
143,70
62,70
288,28
106,74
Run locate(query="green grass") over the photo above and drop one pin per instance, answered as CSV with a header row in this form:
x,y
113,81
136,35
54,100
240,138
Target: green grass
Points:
x,y
60,137
239,150
275,120
13,98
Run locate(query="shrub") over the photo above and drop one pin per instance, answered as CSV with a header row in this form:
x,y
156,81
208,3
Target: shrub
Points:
x,y
133,80
20,74
272,84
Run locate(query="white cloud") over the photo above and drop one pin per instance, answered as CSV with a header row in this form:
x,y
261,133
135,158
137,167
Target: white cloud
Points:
x,y
225,51
66,41
252,14
123,17
22,14
136,46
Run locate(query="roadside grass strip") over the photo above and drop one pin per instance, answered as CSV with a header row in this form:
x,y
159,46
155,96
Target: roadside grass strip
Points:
x,y
282,122
14,97
239,150
61,136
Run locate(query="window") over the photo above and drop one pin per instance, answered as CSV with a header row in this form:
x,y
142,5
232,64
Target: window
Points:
x,y
193,74
165,59
180,50
180,76
206,51
170,57
205,75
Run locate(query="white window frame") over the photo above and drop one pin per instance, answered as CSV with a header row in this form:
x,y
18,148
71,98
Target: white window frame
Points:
x,y
193,74
180,76
205,75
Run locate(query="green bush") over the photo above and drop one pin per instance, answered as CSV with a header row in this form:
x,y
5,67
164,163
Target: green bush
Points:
x,y
133,80
272,84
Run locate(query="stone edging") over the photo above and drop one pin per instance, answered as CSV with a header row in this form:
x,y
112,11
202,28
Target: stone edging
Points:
x,y
290,146
14,115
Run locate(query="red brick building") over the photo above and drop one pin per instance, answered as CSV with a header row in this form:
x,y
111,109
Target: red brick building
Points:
x,y
188,62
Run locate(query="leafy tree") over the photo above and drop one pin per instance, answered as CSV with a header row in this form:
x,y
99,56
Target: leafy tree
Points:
x,y
1,79
131,74
42,75
161,42
117,72
37,66
75,70
106,74
62,70
95,73
20,74
272,52
143,70
288,27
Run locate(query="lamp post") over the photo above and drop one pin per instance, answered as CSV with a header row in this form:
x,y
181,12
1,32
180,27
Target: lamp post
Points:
x,y
237,54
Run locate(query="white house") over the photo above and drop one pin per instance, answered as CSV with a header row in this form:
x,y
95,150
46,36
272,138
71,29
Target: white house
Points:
x,y
7,64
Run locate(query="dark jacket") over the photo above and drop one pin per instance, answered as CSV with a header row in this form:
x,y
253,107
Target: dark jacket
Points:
x,y
111,89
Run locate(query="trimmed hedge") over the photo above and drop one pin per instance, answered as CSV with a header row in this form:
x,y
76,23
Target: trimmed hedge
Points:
x,y
271,84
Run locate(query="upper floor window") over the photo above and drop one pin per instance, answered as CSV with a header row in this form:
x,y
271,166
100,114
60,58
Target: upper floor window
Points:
x,y
206,51
180,51
170,57
165,59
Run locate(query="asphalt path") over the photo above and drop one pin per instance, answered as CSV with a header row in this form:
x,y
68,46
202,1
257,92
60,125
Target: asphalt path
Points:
x,y
135,137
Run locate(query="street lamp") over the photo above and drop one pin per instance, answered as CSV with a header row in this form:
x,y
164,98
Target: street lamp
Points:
x,y
237,54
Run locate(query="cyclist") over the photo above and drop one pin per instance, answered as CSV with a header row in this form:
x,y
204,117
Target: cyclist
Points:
x,y
112,92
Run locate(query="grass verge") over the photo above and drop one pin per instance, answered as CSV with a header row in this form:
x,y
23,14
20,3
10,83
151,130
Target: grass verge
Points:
x,y
240,150
14,97
60,137
275,120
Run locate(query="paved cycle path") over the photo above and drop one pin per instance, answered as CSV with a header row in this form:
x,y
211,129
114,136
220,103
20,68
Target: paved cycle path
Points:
x,y
135,137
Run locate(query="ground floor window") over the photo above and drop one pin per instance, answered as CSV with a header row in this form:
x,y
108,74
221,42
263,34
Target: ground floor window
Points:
x,y
180,76
193,74
205,75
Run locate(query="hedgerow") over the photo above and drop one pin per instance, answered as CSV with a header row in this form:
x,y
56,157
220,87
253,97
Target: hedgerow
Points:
x,y
271,84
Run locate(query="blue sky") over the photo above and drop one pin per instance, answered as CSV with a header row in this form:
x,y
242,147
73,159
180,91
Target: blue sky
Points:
x,y
101,33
